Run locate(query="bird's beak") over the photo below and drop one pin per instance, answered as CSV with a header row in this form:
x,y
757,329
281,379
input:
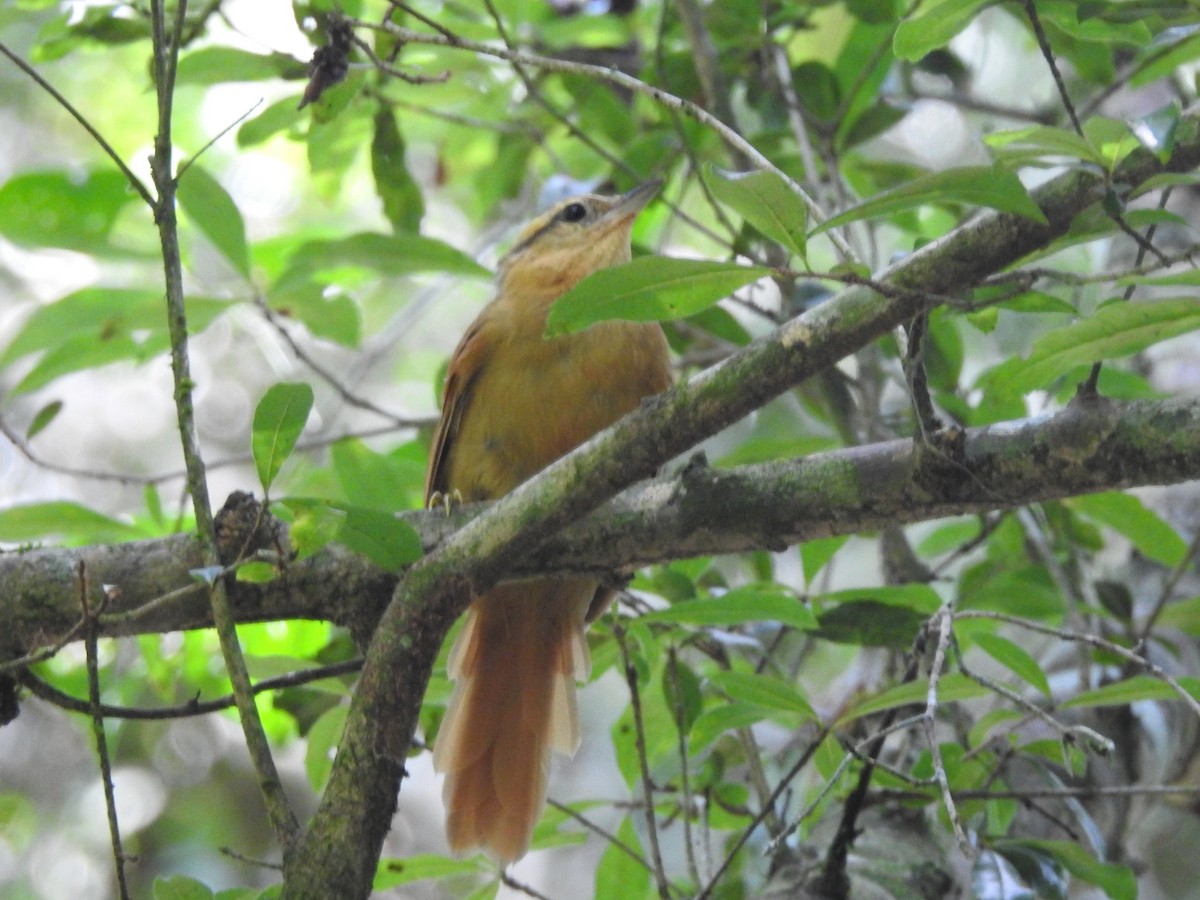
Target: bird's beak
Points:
x,y
632,203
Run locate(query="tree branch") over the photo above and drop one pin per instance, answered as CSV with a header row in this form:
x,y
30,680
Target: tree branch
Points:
x,y
699,511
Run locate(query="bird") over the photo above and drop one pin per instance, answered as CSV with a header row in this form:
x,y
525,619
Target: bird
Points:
x,y
513,402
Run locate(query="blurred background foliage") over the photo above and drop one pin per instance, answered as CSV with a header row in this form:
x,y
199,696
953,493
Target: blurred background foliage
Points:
x,y
346,245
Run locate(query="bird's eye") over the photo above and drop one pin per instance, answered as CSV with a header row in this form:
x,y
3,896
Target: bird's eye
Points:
x,y
574,212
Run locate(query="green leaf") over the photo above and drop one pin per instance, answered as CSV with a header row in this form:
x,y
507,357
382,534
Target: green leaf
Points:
x,y
951,687
814,555
1183,614
220,65
1186,278
281,115
1157,130
1112,139
385,540
403,204
1130,690
1118,882
278,420
1127,515
1038,141
380,536
557,828
1115,330
54,209
386,481
180,887
1115,597
70,522
948,537
648,289
918,35
257,572
423,867
1017,591
681,691
764,691
870,624
43,417
96,27
1162,65
726,717
619,874
991,186
213,211
1164,180
750,603
321,742
381,254
325,312
99,315
336,98
1014,658
765,201
918,597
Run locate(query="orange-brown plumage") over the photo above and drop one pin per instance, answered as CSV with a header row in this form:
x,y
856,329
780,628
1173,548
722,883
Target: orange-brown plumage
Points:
x,y
514,402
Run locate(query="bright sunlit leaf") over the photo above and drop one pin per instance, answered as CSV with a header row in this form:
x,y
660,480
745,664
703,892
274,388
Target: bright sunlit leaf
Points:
x,y
751,603
766,202
990,186
211,209
648,289
933,28
1113,331
278,420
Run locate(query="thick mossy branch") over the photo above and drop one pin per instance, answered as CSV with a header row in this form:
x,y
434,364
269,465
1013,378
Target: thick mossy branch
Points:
x,y
1092,445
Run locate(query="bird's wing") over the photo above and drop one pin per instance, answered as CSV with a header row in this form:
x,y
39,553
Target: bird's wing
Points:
x,y
465,366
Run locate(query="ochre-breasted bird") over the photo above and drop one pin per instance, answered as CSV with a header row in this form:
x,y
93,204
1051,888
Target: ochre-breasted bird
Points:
x,y
514,402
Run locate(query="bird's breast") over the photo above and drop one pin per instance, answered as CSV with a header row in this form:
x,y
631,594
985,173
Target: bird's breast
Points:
x,y
537,399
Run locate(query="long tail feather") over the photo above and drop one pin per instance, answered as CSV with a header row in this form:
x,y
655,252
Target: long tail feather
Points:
x,y
515,664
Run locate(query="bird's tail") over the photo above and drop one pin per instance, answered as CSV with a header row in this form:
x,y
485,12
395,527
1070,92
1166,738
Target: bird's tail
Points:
x,y
515,662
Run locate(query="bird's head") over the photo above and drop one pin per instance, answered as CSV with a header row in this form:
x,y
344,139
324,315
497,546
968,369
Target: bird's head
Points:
x,y
571,240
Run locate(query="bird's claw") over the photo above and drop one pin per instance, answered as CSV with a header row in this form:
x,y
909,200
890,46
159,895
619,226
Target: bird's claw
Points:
x,y
445,501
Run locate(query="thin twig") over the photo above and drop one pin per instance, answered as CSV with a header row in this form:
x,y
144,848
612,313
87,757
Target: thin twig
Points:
x,y
772,848
1043,43
348,396
166,58
685,777
1093,641
1185,565
635,700
195,157
1048,54
91,631
134,181
317,443
1118,790
63,700
1069,732
606,835
521,886
258,863
36,656
942,621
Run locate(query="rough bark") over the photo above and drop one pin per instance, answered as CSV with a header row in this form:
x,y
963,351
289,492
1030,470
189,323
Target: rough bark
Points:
x,y
697,511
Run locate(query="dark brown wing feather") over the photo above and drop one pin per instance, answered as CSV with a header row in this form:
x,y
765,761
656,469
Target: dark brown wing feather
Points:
x,y
465,366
